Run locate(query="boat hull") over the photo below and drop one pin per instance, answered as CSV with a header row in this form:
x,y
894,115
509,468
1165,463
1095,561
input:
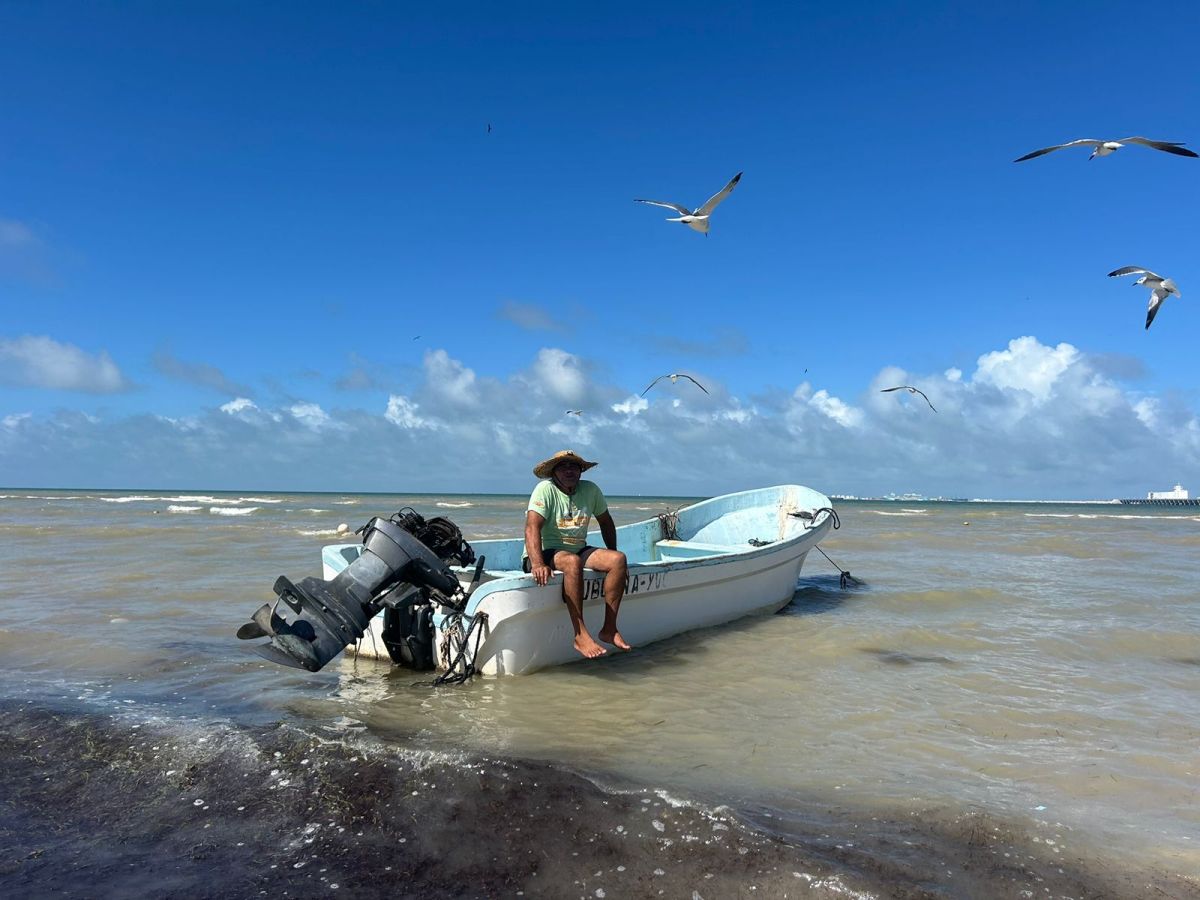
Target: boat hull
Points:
x,y
533,631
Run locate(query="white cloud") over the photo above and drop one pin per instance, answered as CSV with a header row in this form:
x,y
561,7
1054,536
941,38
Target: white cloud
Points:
x,y
1026,365
449,380
631,405
560,375
836,409
309,414
238,405
42,362
403,412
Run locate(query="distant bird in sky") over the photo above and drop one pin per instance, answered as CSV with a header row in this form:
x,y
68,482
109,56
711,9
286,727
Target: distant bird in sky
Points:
x,y
1104,148
675,376
911,390
489,131
1160,288
574,412
697,219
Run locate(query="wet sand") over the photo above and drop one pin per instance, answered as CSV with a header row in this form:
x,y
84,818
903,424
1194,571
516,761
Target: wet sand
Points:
x,y
103,806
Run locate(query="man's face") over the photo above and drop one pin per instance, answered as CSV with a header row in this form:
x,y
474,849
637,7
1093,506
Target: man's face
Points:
x,y
568,474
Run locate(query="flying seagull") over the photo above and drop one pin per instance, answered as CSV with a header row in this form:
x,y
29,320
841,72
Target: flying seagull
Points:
x,y
911,390
574,412
1104,148
1160,288
675,376
697,219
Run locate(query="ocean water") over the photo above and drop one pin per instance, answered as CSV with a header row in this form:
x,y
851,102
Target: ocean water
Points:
x,y
1004,702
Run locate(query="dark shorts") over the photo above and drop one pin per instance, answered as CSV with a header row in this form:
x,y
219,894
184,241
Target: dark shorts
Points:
x,y
549,557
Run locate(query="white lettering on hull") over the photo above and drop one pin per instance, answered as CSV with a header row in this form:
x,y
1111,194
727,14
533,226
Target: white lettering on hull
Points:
x,y
635,583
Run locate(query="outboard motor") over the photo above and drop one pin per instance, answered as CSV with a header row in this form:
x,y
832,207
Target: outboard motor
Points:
x,y
403,557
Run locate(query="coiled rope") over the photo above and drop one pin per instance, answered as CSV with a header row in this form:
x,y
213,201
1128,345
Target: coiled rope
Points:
x,y
669,522
461,669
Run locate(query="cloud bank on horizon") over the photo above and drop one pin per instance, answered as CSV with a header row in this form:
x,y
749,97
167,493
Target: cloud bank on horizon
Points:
x,y
1031,421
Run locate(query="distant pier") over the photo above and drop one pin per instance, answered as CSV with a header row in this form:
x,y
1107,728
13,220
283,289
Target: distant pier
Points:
x,y
1178,496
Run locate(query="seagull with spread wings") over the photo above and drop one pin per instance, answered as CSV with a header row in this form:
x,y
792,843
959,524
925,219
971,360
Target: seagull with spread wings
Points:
x,y
1105,148
1160,288
697,219
675,376
911,390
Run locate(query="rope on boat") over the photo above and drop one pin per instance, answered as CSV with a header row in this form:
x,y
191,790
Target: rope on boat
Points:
x,y
669,521
461,669
837,523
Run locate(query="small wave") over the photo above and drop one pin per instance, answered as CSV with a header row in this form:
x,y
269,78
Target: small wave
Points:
x,y
321,532
906,513
447,505
311,510
260,500
173,508
347,502
917,511
1156,518
225,511
150,498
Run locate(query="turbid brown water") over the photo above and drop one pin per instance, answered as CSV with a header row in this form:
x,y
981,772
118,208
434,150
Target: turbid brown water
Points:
x,y
997,708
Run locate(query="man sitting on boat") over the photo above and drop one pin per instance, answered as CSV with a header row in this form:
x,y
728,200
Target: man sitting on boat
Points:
x,y
556,525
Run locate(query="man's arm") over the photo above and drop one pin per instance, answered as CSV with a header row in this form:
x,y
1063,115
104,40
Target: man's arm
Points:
x,y
608,530
533,546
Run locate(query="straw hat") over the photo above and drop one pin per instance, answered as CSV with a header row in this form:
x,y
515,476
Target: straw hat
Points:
x,y
545,468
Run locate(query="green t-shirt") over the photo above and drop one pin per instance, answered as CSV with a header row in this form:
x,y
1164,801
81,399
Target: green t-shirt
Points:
x,y
567,515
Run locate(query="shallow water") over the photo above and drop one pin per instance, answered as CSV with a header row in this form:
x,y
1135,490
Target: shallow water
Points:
x,y
1020,678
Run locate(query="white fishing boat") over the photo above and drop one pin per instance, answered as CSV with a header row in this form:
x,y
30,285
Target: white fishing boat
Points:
x,y
702,565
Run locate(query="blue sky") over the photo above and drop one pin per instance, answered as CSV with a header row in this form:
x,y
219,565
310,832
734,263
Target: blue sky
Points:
x,y
274,246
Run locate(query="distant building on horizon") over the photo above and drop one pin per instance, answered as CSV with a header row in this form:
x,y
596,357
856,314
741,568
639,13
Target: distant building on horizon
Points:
x,y
1178,493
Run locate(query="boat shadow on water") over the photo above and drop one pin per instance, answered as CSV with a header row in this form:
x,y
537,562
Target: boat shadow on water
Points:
x,y
821,594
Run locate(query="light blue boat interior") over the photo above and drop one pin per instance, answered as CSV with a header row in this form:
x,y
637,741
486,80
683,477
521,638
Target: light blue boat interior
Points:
x,y
715,527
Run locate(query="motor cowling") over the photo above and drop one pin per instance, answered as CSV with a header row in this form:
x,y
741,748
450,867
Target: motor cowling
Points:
x,y
320,618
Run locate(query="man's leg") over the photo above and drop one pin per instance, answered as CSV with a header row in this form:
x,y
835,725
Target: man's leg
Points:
x,y
612,563
572,590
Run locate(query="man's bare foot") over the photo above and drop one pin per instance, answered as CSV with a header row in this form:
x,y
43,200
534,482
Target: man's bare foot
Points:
x,y
588,647
614,638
